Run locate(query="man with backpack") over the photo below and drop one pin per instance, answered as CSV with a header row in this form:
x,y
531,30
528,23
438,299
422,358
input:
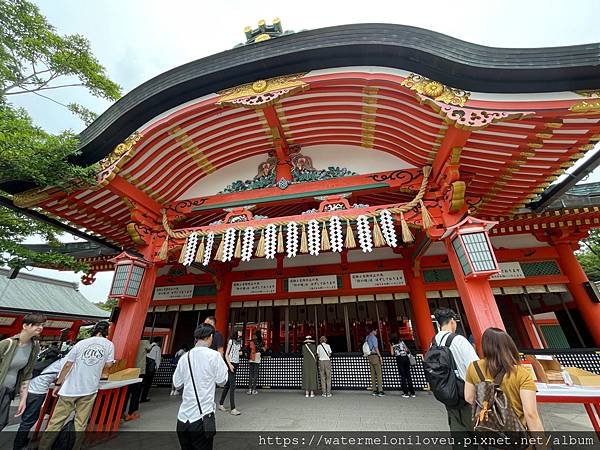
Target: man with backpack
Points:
x,y
36,394
153,360
77,384
445,367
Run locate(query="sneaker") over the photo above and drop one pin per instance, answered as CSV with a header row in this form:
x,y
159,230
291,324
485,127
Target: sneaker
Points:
x,y
381,394
323,395
413,395
222,408
306,395
133,416
254,392
374,393
329,395
404,395
235,412
249,392
312,394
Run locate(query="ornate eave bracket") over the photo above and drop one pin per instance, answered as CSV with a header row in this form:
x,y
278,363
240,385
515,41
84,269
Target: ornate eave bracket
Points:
x,y
262,93
435,90
471,118
122,153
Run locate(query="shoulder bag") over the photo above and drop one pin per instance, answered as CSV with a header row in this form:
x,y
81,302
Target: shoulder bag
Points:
x,y
208,421
325,350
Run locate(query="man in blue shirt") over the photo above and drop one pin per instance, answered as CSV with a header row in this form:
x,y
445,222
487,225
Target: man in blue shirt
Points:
x,y
375,363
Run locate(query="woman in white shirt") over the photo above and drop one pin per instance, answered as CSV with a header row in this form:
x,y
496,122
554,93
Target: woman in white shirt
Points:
x,y
232,358
324,352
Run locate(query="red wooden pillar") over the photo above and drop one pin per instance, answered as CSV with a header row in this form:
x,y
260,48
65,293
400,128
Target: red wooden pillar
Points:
x,y
74,331
420,308
477,298
572,269
128,330
532,333
223,301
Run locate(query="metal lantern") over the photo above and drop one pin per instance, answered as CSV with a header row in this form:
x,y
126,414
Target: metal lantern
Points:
x,y
473,248
129,274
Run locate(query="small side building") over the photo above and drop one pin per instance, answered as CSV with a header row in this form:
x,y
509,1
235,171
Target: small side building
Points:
x,y
66,308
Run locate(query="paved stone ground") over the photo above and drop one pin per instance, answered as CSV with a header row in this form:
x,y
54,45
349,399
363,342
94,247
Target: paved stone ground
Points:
x,y
284,412
345,411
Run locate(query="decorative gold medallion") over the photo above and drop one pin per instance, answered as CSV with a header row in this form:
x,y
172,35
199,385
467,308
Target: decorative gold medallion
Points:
x,y
436,90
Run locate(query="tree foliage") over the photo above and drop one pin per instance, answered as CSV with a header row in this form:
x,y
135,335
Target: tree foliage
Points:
x,y
35,60
589,255
108,305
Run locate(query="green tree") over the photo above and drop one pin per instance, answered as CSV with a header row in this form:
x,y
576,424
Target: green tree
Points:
x,y
35,60
108,305
589,255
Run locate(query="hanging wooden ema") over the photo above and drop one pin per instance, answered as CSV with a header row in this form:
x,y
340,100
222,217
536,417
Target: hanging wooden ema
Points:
x,y
312,232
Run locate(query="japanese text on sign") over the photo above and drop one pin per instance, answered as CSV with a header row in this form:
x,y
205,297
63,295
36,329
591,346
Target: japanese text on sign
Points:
x,y
253,287
322,283
377,279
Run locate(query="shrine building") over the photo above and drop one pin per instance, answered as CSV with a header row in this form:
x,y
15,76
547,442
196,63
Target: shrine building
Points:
x,y
332,181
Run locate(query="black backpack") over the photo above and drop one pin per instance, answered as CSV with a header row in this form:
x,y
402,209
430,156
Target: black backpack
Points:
x,y
40,365
440,367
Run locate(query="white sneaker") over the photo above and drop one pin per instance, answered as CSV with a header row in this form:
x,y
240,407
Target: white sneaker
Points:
x,y
254,392
329,395
249,392
323,395
404,396
222,408
235,412
312,394
306,395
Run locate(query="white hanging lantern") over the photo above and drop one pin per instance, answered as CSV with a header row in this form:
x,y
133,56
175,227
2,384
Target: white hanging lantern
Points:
x,y
365,238
247,244
270,241
210,240
335,234
190,249
314,237
292,239
387,228
228,244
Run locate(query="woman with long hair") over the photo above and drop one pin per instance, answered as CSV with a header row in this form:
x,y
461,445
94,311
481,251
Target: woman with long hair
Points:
x,y
501,359
399,349
256,348
232,358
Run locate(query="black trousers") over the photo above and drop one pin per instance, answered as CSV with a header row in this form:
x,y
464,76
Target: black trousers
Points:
x,y
134,392
147,384
405,378
253,376
6,396
230,387
191,436
28,419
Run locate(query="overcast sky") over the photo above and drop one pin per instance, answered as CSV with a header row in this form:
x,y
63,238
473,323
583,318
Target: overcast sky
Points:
x,y
136,40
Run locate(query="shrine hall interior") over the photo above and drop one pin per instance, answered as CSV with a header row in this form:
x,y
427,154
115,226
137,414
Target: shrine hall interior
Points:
x,y
331,181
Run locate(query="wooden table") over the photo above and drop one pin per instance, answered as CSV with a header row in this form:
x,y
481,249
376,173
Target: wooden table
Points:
x,y
561,393
106,413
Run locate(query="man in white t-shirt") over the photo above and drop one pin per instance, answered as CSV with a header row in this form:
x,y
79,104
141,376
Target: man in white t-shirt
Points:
x,y
78,382
196,416
324,352
36,394
459,418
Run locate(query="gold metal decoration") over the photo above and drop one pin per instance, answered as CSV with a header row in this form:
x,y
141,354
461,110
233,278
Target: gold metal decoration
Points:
x,y
586,106
30,198
120,150
261,93
436,90
590,93
134,234
457,200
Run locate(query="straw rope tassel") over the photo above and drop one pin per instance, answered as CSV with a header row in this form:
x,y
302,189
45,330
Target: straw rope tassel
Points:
x,y
407,236
350,241
220,249
183,252
325,244
164,249
378,239
200,252
238,246
426,217
280,248
260,248
303,240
